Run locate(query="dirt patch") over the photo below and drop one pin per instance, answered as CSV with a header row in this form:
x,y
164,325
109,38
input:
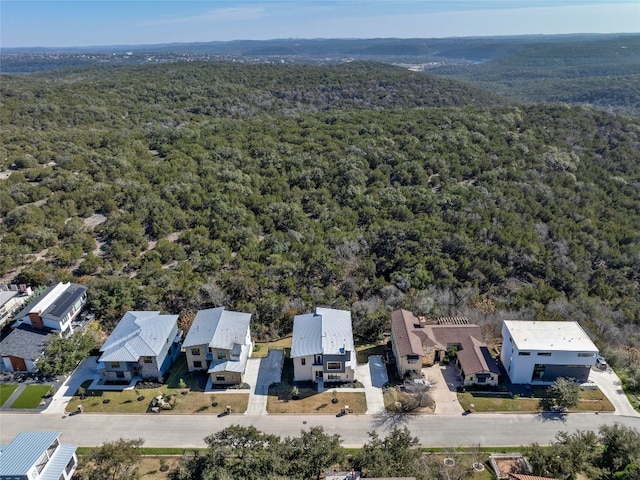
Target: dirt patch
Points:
x,y
504,464
94,220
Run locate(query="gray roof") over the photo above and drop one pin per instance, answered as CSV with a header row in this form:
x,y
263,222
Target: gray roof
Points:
x,y
231,365
138,334
6,295
25,342
326,332
218,328
17,457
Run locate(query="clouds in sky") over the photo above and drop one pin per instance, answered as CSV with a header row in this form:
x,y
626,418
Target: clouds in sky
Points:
x,y
98,22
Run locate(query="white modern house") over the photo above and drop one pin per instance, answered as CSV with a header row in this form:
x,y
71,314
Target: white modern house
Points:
x,y
541,352
37,456
55,308
143,345
219,341
322,346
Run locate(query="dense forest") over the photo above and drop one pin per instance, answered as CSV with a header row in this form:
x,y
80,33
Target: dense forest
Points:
x,y
273,189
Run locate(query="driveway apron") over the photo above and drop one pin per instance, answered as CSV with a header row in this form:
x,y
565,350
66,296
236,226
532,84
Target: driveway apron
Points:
x,y
260,373
373,376
444,391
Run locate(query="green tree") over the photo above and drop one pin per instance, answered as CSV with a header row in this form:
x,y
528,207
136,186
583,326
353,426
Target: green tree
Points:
x,y
395,455
116,460
620,456
564,392
308,455
62,354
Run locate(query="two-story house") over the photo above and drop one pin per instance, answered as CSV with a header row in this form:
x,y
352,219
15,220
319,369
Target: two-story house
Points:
x,y
50,313
55,308
219,341
37,456
540,352
322,346
143,345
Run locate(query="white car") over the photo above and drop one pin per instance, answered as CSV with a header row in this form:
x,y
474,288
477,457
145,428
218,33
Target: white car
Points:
x,y
601,362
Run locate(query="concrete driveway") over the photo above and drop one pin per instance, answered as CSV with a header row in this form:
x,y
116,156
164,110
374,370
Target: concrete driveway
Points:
x,y
373,376
445,380
611,386
260,373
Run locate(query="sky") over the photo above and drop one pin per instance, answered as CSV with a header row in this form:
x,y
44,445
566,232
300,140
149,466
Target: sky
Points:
x,y
54,23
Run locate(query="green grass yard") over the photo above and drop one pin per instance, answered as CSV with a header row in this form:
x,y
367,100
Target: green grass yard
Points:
x,y
261,350
6,389
589,401
98,401
31,396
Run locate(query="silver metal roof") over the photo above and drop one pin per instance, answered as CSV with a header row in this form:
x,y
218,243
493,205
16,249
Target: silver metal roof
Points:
x,y
58,462
138,334
218,328
19,456
327,331
231,365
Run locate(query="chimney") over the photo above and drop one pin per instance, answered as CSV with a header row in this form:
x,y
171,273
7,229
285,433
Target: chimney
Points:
x,y
423,321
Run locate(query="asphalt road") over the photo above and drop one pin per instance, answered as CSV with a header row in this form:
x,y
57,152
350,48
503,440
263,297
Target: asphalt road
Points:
x,y
189,430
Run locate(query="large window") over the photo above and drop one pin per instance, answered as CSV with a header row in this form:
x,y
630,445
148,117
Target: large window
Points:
x,y
334,365
147,359
220,378
195,351
222,356
333,376
412,358
538,372
197,364
114,364
70,465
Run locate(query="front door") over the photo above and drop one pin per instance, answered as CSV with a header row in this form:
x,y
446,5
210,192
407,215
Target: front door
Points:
x,y
318,375
18,364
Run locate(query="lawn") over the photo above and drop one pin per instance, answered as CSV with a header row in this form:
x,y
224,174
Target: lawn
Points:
x,y
127,401
310,401
6,389
261,350
364,351
31,396
589,401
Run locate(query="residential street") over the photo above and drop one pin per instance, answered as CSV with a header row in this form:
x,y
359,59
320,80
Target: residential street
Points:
x,y
189,430
447,427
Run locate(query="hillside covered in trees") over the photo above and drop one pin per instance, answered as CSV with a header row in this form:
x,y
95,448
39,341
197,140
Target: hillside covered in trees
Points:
x,y
272,189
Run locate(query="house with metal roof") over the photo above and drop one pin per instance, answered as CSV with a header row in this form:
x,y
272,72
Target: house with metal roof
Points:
x,y
55,309
143,345
540,352
322,346
12,297
219,341
37,456
418,344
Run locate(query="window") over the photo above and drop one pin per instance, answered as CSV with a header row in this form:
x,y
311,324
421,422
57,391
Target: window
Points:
x,y
303,361
481,379
538,372
586,354
334,365
70,465
195,351
42,462
544,354
524,354
147,359
197,364
114,364
318,360
222,356
220,378
120,374
412,358
333,376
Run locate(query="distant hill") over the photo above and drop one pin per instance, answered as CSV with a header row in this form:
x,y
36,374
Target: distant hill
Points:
x,y
598,70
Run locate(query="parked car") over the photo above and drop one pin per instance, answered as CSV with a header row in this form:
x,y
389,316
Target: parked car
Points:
x,y
601,363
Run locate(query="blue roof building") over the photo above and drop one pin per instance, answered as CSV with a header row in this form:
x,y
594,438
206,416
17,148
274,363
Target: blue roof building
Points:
x,y
37,456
